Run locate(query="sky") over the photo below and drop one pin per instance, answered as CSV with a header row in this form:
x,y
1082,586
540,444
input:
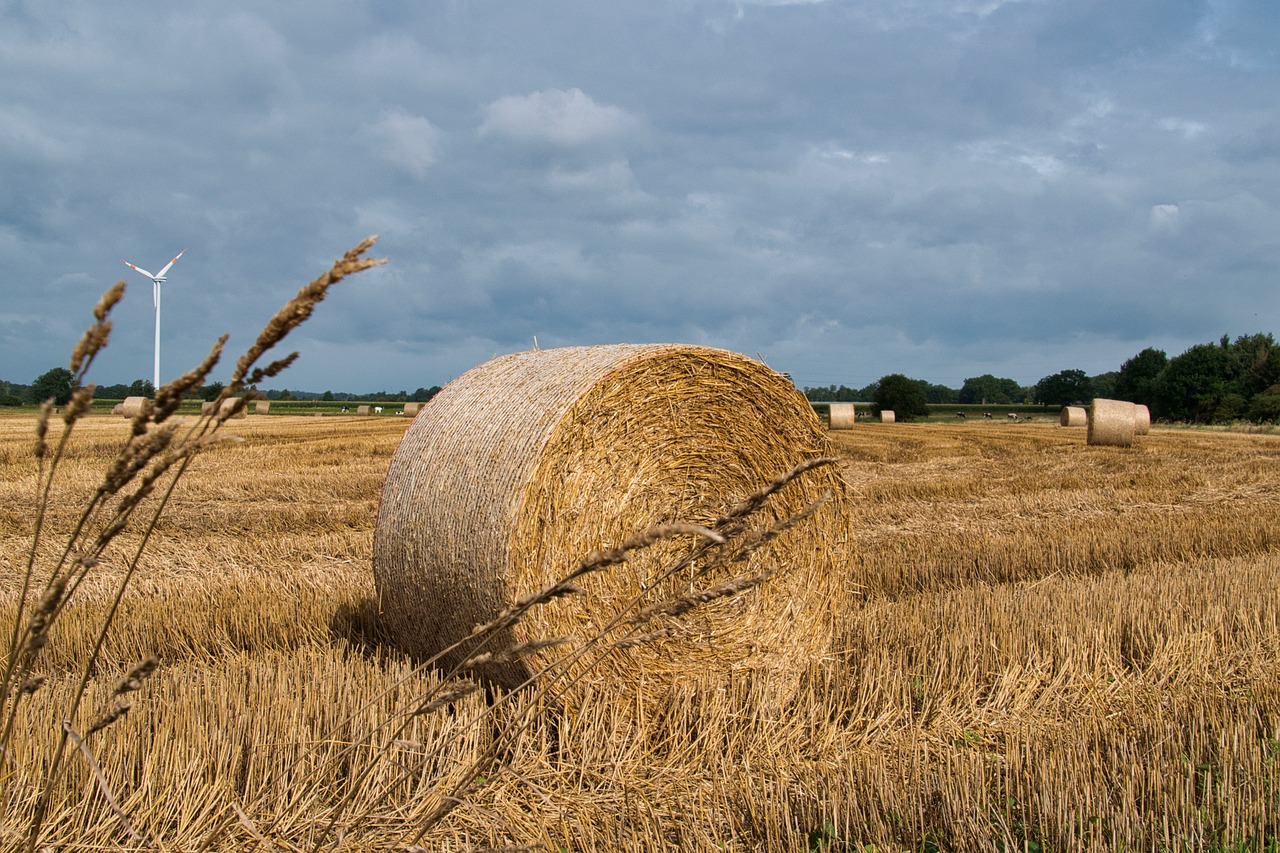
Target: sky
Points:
x,y
842,188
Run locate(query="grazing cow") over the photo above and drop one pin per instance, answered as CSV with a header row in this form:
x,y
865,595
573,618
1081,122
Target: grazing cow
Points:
x,y
986,414
1013,416
961,415
377,410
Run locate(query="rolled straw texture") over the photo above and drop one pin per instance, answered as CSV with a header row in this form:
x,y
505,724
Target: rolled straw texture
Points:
x,y
362,410
888,417
1111,423
262,407
207,407
117,409
522,466
842,416
1073,416
412,409
1142,420
132,406
229,403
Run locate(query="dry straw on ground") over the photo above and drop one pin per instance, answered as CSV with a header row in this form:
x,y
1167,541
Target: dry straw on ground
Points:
x,y
842,416
888,417
1111,423
1073,416
132,406
1142,420
525,464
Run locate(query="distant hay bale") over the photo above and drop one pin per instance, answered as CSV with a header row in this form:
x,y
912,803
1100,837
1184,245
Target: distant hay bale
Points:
x,y
1141,420
1111,423
207,407
132,406
888,417
842,416
525,464
262,407
1073,416
362,410
229,404
117,409
411,409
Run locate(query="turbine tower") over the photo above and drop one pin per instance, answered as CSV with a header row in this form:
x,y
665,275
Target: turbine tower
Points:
x,y
157,279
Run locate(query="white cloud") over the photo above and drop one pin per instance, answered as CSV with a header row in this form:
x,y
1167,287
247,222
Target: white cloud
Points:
x,y
1189,129
1164,218
406,141
561,117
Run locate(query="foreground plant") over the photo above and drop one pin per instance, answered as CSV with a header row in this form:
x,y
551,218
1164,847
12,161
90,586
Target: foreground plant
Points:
x,y
132,495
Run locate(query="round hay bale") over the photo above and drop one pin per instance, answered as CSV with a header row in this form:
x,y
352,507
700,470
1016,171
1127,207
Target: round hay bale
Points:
x,y
362,410
117,409
1141,420
229,404
525,464
888,417
1111,423
132,406
842,416
1073,416
412,409
207,407
262,407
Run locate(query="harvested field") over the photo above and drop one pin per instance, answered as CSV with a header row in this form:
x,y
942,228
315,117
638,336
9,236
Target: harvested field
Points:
x,y
1071,646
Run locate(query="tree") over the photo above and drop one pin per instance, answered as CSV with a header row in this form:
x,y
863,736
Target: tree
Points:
x,y
1138,375
989,389
1104,384
56,383
327,396
142,388
901,395
210,392
1266,406
1258,357
1063,388
1192,385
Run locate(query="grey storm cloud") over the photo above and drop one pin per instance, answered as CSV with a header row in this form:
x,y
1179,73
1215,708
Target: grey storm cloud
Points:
x,y
848,189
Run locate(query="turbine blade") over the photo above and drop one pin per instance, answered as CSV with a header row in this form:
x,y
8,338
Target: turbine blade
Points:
x,y
139,269
171,263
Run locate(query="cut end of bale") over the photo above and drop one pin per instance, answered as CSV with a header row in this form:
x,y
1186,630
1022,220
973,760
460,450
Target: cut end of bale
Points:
x,y
262,407
1073,416
363,410
132,406
1142,420
1111,423
525,464
888,417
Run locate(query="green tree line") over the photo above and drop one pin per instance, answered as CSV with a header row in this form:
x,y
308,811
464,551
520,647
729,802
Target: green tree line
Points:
x,y
1208,383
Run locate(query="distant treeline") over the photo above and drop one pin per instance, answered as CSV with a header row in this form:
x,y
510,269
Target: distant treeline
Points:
x,y
1208,383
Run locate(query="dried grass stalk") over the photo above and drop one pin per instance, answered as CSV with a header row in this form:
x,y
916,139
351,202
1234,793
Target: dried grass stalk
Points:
x,y
842,416
524,464
1111,423
888,417
1141,420
132,406
1073,416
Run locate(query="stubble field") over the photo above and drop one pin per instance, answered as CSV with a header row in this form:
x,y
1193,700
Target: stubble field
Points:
x,y
1053,647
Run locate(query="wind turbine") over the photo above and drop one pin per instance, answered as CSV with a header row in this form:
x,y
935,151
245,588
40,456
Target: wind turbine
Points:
x,y
157,279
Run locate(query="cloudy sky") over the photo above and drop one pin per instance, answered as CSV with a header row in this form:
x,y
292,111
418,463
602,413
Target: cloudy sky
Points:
x,y
847,188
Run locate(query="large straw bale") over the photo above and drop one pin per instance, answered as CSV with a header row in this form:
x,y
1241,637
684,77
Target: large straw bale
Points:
x,y
1073,416
362,410
262,407
117,409
412,409
1142,420
887,416
207,407
229,404
132,406
523,465
1111,423
842,416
